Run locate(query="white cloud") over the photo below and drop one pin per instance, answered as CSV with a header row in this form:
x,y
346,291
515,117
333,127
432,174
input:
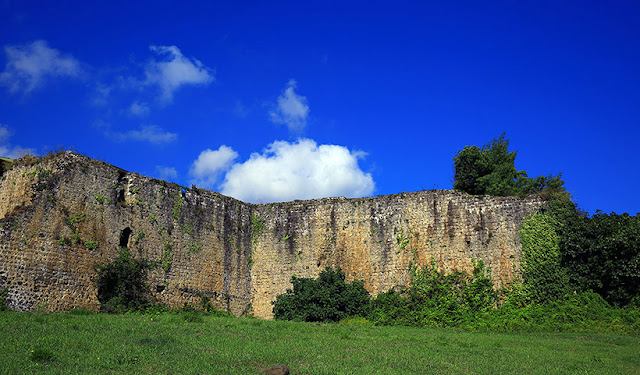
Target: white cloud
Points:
x,y
210,164
292,109
6,149
139,109
166,173
30,65
301,170
175,70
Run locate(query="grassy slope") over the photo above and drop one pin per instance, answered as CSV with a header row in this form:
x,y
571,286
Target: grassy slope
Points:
x,y
166,343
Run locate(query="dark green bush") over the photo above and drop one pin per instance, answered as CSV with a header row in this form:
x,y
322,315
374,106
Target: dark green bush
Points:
x,y
121,284
325,299
391,308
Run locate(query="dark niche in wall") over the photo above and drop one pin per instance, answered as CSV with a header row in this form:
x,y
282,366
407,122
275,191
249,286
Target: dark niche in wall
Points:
x,y
124,237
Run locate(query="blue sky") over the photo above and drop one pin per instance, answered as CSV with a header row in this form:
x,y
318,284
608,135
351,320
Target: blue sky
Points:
x,y
271,101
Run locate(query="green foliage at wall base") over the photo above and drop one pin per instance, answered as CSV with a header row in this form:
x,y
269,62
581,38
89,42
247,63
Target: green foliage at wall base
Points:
x,y
469,302
121,284
436,299
545,279
326,299
576,312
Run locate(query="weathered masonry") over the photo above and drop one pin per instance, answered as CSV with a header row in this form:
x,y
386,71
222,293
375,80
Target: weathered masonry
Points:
x,y
63,214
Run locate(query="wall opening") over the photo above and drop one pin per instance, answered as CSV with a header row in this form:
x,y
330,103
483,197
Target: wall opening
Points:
x,y
124,237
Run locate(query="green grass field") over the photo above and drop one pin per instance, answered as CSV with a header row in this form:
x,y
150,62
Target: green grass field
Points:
x,y
167,344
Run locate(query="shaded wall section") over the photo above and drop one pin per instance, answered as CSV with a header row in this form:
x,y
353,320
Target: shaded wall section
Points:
x,y
61,215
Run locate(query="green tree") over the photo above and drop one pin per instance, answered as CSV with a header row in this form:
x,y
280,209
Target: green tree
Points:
x,y
491,170
326,299
122,283
610,265
599,252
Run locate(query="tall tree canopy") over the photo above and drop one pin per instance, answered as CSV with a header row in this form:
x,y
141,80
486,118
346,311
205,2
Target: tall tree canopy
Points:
x,y
491,170
601,252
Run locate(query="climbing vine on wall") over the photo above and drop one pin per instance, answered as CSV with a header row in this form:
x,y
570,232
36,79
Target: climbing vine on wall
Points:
x,y
544,277
258,226
177,205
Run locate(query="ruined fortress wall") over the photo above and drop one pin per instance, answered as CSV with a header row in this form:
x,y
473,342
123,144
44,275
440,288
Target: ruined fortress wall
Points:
x,y
62,215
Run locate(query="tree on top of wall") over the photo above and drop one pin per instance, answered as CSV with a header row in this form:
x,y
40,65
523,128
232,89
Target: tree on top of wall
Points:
x,y
491,170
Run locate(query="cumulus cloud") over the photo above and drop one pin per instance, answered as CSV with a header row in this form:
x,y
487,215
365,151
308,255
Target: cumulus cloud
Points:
x,y
175,70
6,149
301,170
166,173
206,170
29,66
292,109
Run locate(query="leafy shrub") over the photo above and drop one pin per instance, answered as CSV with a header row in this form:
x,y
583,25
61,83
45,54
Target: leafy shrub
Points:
x,y
121,284
436,299
391,308
469,302
326,299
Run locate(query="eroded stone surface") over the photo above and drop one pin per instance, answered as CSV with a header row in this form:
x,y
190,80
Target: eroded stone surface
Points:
x,y
63,215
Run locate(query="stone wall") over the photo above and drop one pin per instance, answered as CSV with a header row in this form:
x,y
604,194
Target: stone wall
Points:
x,y
62,215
